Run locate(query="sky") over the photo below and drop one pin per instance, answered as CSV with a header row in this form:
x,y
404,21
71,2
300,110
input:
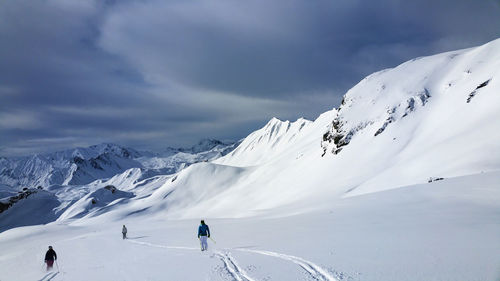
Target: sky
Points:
x,y
156,73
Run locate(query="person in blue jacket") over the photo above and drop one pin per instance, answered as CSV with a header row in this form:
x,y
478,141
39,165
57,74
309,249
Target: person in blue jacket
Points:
x,y
203,233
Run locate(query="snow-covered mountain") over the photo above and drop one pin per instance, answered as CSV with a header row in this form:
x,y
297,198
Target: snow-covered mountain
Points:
x,y
430,117
357,187
68,178
267,143
172,160
210,145
84,165
69,167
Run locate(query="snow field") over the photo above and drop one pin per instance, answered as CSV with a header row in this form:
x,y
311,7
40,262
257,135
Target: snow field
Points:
x,y
446,230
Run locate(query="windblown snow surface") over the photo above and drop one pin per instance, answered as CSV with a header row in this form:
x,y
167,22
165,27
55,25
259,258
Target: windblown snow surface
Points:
x,y
401,182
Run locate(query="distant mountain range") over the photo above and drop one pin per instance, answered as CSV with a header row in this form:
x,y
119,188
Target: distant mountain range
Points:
x,y
83,165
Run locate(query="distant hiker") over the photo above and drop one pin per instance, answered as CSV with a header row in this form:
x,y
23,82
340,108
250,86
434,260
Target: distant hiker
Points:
x,y
50,257
124,232
203,233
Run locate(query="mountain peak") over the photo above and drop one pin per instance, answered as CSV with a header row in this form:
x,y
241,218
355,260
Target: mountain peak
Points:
x,y
206,145
266,143
274,121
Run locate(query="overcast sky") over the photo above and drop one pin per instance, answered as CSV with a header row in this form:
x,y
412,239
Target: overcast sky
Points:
x,y
156,73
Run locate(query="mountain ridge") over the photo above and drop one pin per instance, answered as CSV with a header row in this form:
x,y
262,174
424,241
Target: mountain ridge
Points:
x,y
83,165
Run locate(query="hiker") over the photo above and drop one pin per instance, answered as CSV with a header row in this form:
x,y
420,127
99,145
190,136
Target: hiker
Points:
x,y
50,257
124,232
203,233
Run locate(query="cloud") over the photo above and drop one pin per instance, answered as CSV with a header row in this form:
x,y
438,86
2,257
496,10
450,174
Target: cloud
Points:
x,y
19,119
283,48
154,73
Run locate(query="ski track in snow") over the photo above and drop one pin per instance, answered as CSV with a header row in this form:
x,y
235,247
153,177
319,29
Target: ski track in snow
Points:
x,y
49,276
230,264
316,271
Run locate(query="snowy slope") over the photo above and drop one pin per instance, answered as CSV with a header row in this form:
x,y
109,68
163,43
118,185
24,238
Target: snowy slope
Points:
x,y
434,116
97,201
74,178
397,127
36,208
446,230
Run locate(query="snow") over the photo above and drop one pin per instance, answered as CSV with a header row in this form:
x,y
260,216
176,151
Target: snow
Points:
x,y
36,209
343,197
95,202
446,230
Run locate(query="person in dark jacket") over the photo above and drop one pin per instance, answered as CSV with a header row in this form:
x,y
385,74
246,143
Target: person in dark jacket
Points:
x,y
50,257
203,233
124,232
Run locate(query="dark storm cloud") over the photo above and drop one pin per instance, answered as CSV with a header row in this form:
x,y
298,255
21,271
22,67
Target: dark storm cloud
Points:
x,y
287,47
156,73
